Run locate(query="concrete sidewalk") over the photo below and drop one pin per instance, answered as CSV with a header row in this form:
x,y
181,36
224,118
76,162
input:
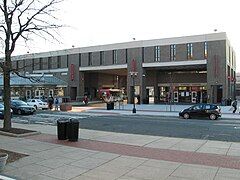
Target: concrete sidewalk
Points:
x,y
107,155
154,109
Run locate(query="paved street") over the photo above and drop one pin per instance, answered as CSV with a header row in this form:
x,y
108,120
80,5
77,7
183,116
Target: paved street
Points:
x,y
223,129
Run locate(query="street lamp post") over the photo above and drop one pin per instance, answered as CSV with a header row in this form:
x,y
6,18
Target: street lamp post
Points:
x,y
133,75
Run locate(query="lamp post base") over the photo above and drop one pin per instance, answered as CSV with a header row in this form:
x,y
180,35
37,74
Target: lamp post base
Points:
x,y
134,110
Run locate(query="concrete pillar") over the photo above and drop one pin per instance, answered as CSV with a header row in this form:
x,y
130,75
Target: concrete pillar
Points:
x,y
81,86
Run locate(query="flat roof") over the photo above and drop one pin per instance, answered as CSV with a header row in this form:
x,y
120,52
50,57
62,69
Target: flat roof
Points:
x,y
127,45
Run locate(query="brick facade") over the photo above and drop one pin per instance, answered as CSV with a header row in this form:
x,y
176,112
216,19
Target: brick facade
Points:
x,y
216,73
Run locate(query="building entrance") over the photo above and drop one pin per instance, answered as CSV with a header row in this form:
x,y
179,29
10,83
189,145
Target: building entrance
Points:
x,y
150,94
183,94
164,93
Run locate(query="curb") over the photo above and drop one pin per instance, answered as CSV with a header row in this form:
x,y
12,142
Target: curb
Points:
x,y
19,135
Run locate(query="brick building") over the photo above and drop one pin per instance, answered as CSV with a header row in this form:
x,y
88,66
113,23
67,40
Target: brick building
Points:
x,y
200,68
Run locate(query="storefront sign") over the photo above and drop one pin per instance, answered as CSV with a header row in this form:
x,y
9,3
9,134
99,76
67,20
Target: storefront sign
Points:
x,y
133,65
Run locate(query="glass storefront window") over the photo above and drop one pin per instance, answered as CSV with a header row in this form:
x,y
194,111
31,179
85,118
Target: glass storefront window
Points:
x,y
164,93
183,94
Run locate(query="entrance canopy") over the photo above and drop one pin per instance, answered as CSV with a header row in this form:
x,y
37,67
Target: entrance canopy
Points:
x,y
34,80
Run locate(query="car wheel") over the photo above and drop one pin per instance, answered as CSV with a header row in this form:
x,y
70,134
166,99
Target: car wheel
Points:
x,y
19,112
186,116
212,116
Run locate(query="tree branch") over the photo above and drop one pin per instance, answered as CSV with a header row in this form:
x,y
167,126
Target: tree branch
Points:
x,y
32,79
24,28
1,26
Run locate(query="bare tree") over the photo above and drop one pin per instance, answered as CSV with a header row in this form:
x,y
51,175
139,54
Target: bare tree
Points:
x,y
20,19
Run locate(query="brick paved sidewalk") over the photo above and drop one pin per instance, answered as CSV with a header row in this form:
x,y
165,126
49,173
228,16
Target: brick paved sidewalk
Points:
x,y
52,159
207,159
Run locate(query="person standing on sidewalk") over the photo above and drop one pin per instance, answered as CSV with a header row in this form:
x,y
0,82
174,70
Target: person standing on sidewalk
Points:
x,y
85,100
56,104
50,102
234,105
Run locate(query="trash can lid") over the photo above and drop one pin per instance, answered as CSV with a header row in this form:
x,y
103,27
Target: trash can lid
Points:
x,y
73,120
62,120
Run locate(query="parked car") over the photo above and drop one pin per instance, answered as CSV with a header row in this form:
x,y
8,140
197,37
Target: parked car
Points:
x,y
2,111
21,107
37,103
211,111
43,98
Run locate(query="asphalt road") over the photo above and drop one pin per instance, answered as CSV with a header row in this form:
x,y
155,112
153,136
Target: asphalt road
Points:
x,y
222,129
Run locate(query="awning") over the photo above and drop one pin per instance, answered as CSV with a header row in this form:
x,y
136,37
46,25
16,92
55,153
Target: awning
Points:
x,y
41,80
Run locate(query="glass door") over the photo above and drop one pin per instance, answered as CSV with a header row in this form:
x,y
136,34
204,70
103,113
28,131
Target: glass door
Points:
x,y
194,96
28,94
175,96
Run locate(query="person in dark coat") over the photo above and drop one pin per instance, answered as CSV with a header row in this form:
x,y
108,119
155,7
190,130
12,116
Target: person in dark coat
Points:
x,y
50,102
234,105
56,103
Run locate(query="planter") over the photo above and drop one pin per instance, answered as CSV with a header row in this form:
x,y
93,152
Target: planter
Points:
x,y
3,160
65,107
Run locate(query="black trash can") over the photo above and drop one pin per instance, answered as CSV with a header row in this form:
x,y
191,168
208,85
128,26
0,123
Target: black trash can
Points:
x,y
72,130
110,105
62,129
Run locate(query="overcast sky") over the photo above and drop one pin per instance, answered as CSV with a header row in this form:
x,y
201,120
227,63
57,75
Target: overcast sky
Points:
x,y
95,22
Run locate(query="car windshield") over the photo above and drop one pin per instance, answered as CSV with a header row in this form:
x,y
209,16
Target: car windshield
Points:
x,y
20,103
197,107
207,106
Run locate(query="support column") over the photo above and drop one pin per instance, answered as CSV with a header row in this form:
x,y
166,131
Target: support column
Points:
x,y
81,86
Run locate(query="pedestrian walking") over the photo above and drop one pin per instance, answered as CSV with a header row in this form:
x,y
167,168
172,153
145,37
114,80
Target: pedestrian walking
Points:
x,y
85,99
56,104
234,105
